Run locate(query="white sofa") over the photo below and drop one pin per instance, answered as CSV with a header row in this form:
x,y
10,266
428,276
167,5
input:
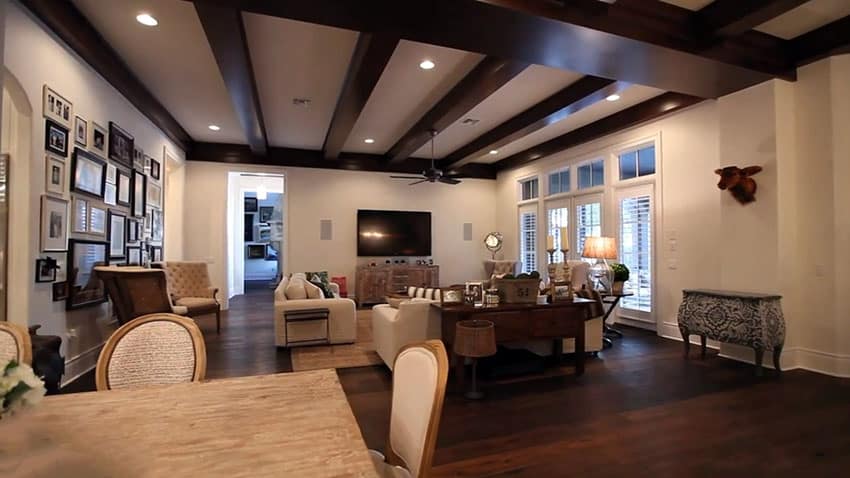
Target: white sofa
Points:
x,y
342,318
413,321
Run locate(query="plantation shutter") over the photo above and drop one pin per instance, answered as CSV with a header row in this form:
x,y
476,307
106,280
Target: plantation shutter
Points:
x,y
636,249
528,238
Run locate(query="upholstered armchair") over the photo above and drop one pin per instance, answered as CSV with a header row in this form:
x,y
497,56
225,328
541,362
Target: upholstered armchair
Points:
x,y
413,321
189,285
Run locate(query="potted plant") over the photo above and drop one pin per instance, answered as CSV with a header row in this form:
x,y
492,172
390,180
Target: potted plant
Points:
x,y
621,275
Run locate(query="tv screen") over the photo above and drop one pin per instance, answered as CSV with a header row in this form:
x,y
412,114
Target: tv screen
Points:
x,y
393,233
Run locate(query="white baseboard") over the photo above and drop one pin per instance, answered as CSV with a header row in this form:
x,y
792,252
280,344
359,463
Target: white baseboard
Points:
x,y
79,365
637,323
837,365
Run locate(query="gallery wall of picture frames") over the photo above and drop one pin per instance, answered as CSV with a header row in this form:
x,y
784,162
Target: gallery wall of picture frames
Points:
x,y
102,202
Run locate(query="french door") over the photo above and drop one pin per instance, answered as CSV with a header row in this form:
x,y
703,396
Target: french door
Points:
x,y
635,211
588,220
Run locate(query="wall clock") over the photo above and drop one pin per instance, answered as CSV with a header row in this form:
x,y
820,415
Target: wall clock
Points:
x,y
493,242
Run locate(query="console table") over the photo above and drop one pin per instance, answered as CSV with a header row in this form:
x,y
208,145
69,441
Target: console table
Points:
x,y
752,320
521,323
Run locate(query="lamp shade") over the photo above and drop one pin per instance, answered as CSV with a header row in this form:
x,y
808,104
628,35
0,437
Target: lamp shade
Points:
x,y
475,338
600,248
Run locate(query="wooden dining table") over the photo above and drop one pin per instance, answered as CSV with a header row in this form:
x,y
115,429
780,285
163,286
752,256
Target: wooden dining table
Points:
x,y
293,424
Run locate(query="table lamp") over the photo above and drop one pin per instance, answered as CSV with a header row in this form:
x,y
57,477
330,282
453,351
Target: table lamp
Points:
x,y
601,249
475,339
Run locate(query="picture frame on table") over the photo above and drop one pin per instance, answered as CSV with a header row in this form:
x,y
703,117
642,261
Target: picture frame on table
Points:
x,y
80,216
98,140
45,270
88,173
451,296
56,108
54,175
116,234
121,145
81,131
476,289
138,198
125,189
84,288
251,204
134,255
154,194
54,224
561,291
155,170
55,138
97,221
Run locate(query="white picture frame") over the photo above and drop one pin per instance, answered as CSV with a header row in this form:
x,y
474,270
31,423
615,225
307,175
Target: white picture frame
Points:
x,y
80,216
125,189
55,107
154,195
111,174
55,176
97,221
110,193
54,224
98,140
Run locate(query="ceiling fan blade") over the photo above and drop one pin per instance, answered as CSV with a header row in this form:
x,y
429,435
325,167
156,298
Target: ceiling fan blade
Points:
x,y
455,176
446,180
406,177
414,183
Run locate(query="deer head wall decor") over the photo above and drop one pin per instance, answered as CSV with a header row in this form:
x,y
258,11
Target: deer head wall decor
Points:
x,y
738,182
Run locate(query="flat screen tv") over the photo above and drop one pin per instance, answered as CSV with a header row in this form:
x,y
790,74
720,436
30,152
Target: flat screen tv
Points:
x,y
393,233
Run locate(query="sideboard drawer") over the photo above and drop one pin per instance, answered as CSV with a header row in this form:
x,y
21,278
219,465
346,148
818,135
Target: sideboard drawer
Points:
x,y
555,323
509,325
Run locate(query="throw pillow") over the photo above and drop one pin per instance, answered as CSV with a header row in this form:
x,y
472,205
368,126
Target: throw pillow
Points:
x,y
295,290
395,301
321,277
326,291
313,291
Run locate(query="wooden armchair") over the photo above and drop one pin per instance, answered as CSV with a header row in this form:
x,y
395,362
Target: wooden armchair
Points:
x,y
189,285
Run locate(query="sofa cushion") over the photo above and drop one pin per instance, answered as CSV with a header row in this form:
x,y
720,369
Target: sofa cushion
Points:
x,y
411,291
295,289
313,291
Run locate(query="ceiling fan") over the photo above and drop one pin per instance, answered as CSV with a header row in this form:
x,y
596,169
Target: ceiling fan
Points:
x,y
432,174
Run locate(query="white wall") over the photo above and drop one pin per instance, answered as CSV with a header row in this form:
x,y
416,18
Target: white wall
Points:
x,y
314,194
34,57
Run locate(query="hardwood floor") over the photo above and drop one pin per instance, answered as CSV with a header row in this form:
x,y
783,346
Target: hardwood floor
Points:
x,y
639,410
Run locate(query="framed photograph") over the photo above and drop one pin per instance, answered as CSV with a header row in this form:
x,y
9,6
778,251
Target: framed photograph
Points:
x,y
132,230
451,295
45,270
155,169
120,145
125,189
59,259
156,224
561,291
134,256
156,253
98,140
97,220
116,234
110,193
138,159
57,108
60,291
476,289
88,173
111,174
81,131
55,138
250,204
266,213
154,195
54,175
54,224
80,216
140,185
84,288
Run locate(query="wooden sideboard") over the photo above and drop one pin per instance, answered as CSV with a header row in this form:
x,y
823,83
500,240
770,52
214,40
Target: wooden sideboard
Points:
x,y
372,284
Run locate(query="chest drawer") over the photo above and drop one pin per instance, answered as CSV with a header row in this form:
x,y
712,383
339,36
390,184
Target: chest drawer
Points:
x,y
555,323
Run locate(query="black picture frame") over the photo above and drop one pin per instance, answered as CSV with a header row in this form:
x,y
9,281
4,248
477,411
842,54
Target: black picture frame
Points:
x,y
134,255
83,256
251,204
81,159
132,231
266,213
155,169
122,190
60,291
44,271
122,240
138,198
121,145
53,134
156,253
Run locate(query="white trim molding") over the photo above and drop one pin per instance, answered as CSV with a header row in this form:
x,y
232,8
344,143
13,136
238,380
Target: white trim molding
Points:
x,y
80,364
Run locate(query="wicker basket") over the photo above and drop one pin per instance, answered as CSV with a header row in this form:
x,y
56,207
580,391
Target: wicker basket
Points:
x,y
518,291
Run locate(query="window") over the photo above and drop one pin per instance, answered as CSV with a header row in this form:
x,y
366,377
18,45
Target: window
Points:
x,y
637,163
559,182
528,189
557,215
591,174
588,220
636,246
528,239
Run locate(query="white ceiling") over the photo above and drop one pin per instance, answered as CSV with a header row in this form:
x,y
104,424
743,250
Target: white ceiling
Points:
x,y
173,60
628,97
805,18
297,60
405,92
533,85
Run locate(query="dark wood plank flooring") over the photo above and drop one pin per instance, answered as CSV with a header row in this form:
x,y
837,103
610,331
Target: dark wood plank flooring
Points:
x,y
640,410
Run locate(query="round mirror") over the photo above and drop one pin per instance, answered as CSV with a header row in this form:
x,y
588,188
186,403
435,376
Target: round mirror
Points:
x,y
493,242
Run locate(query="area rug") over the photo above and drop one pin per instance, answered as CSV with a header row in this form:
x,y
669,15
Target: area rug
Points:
x,y
359,354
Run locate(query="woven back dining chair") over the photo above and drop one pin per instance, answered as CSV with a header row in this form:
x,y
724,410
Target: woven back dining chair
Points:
x,y
419,387
15,343
155,349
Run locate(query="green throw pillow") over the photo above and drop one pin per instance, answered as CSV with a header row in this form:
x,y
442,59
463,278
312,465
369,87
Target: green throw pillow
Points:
x,y
320,277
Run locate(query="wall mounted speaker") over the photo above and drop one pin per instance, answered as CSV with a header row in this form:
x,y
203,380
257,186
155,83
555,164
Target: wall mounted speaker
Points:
x,y
325,230
467,231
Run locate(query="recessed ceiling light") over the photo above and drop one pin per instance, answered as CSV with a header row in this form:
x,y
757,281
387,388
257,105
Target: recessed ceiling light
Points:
x,y
368,140
613,97
214,127
427,64
147,20
494,151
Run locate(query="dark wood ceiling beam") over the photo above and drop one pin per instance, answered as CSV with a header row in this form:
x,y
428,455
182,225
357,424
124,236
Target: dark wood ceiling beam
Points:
x,y
641,113
638,41
226,35
488,76
573,98
830,39
728,18
370,57
72,27
302,158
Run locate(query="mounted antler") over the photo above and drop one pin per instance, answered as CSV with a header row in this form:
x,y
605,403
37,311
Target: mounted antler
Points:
x,y
738,182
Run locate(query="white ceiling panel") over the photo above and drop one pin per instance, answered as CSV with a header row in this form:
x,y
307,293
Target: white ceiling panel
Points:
x,y
628,97
689,4
805,18
298,60
172,59
405,92
528,88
